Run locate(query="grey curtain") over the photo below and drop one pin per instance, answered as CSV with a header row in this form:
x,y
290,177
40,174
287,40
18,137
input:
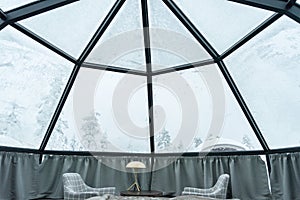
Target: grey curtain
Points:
x,y
22,177
285,175
18,175
248,175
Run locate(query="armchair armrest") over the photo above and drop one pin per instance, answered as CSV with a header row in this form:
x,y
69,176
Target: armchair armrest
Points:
x,y
189,190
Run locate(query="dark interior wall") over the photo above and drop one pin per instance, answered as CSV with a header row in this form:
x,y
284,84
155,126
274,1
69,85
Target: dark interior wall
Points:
x,y
22,177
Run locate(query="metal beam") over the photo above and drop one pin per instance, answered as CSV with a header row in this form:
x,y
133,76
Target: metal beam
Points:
x,y
3,24
253,33
35,8
183,67
149,71
110,16
288,7
192,29
290,3
44,42
294,13
113,69
272,5
243,106
188,154
2,15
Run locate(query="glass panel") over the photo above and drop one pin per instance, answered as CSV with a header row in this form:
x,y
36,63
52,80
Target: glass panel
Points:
x,y
107,112
298,2
67,27
122,44
171,43
267,72
32,81
11,4
222,22
196,111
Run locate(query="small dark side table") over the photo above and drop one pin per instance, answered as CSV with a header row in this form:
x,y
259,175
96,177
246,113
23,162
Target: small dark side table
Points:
x,y
151,193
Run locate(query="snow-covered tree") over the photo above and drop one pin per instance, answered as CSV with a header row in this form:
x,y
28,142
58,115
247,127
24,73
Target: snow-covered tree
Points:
x,y
196,142
10,120
48,105
58,136
179,147
163,139
130,148
93,138
247,142
75,145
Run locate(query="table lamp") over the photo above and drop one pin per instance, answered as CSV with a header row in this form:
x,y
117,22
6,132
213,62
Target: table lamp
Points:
x,y
135,165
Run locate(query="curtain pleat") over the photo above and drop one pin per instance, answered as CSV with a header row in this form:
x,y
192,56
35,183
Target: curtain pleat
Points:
x,y
285,175
18,173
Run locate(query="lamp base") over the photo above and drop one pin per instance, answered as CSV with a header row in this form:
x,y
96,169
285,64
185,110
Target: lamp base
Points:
x,y
135,186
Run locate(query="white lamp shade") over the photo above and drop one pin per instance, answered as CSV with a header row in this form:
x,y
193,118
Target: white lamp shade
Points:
x,y
136,165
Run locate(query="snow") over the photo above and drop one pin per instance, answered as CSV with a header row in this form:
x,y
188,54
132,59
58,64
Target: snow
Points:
x,y
266,71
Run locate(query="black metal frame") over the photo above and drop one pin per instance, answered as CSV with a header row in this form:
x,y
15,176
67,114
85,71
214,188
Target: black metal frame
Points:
x,y
113,69
2,24
294,13
199,37
278,6
183,67
287,7
250,35
281,7
243,105
3,18
2,15
44,42
146,34
110,16
192,29
34,8
186,154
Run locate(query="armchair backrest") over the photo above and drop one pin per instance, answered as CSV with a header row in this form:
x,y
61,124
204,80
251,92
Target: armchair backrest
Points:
x,y
73,182
218,190
222,182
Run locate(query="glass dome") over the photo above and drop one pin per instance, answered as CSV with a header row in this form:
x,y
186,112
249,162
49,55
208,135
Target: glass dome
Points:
x,y
158,76
193,89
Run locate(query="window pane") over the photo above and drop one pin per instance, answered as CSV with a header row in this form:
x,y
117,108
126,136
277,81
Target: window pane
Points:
x,y
11,4
171,43
67,27
32,81
196,111
222,22
122,44
267,72
107,112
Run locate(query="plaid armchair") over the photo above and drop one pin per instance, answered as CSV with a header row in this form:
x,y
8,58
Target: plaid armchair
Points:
x,y
75,188
219,190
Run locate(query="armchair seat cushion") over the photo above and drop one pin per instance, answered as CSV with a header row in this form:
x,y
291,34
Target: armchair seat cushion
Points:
x,y
219,190
75,188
